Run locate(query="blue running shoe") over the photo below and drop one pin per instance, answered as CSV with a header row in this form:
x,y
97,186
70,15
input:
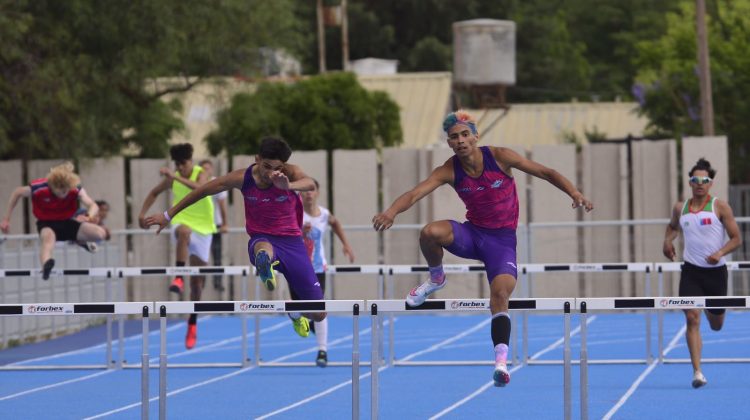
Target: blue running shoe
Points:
x,y
265,270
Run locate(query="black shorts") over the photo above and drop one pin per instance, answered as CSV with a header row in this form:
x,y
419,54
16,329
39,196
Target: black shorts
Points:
x,y
703,281
65,230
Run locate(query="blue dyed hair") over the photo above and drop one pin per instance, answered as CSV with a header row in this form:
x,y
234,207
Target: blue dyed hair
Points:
x,y
459,117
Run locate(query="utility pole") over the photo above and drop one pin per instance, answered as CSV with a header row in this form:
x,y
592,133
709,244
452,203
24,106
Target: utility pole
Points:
x,y
321,39
704,69
344,36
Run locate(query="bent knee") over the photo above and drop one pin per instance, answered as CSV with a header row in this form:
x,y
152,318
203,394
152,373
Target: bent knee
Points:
x,y
318,316
438,231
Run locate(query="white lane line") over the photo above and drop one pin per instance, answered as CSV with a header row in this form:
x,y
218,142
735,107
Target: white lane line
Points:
x,y
382,368
516,368
54,385
222,377
642,377
88,349
152,360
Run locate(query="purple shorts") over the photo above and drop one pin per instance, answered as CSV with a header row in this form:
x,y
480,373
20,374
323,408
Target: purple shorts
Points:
x,y
496,248
294,264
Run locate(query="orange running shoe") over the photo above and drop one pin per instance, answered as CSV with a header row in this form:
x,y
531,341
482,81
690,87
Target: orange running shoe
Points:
x,y
192,336
177,286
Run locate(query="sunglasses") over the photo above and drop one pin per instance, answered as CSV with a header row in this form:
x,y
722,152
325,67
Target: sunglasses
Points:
x,y
700,179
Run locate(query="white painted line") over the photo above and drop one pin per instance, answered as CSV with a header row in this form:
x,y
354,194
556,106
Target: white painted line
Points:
x,y
55,385
649,369
222,377
382,368
516,368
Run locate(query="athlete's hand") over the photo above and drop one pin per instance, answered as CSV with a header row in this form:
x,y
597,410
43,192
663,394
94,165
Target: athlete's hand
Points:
x,y
142,222
668,250
224,228
279,180
580,201
5,226
349,253
714,258
156,219
166,172
382,221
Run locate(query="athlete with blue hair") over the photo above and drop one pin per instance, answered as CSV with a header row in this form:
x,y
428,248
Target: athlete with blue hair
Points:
x,y
483,179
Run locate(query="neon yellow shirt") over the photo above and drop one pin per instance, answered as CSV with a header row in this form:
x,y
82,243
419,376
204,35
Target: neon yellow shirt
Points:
x,y
199,216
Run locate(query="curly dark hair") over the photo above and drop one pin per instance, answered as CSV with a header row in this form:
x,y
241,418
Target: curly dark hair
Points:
x,y
274,148
703,165
181,152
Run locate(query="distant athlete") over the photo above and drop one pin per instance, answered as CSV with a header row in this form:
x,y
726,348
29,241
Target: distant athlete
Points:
x,y
192,230
483,179
315,223
273,219
54,202
702,220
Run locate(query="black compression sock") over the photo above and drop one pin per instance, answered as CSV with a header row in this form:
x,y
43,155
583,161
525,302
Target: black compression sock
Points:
x,y
500,328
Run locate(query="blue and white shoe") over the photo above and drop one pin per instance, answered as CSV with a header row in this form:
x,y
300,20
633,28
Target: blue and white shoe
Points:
x,y
418,294
265,270
501,375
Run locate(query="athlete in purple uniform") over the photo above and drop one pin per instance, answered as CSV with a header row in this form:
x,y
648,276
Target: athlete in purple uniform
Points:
x,y
273,216
483,180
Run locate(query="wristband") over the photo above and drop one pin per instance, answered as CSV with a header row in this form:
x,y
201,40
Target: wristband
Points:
x,y
166,216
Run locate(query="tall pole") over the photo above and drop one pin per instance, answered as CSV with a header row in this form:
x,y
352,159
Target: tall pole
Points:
x,y
704,69
321,39
344,36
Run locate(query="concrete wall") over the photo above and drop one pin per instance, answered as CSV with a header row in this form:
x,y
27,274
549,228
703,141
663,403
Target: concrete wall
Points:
x,y
654,184
355,175
12,178
548,204
605,183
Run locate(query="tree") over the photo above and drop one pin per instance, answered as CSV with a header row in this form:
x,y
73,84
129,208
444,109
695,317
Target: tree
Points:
x,y
669,85
73,74
331,111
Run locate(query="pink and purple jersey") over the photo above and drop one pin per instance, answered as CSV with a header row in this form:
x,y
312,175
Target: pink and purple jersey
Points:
x,y
271,210
491,199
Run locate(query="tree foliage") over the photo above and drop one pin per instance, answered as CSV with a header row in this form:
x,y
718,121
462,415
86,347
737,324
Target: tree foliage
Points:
x,y
669,80
73,73
331,111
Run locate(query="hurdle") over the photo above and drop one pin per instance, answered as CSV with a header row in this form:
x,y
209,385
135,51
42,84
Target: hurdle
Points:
x,y
524,289
96,308
65,274
243,271
379,307
584,305
260,307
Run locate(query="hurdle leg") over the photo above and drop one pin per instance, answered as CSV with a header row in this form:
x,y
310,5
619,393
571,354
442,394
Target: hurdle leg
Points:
x,y
355,361
163,363
374,362
144,366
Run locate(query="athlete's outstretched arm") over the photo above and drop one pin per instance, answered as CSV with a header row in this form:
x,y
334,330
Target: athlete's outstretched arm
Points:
x,y
441,175
339,231
231,180
22,191
673,229
297,180
162,186
509,158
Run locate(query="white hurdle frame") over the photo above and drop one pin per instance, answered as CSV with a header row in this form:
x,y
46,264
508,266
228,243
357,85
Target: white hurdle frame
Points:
x,y
104,272
259,307
95,308
378,307
661,303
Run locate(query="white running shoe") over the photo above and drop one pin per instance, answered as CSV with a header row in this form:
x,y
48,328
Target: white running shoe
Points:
x,y
699,380
501,375
91,247
418,294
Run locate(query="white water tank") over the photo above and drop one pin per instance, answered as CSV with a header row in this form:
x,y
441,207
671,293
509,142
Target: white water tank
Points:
x,y
484,52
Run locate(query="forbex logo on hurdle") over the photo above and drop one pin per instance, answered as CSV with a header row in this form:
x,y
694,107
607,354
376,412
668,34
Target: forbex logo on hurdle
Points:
x,y
47,309
469,304
265,307
680,303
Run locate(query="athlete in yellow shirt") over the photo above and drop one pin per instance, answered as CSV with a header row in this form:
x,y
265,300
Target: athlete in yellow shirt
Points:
x,y
192,229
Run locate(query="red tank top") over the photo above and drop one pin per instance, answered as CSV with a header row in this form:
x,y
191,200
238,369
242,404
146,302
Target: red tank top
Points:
x,y
47,206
